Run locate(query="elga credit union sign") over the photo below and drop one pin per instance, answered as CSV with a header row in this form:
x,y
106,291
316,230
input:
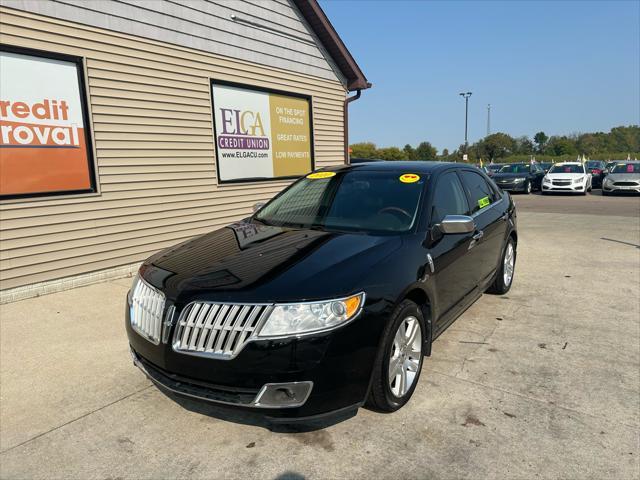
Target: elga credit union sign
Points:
x,y
44,147
261,134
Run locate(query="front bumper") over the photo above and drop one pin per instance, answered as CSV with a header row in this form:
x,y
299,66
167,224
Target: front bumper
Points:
x,y
571,188
612,188
513,186
336,365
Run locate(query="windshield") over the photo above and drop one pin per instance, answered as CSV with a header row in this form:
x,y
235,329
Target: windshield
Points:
x,y
494,168
626,168
364,201
567,169
515,169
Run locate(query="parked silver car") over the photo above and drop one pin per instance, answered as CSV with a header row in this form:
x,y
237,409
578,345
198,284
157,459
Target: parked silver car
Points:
x,y
624,176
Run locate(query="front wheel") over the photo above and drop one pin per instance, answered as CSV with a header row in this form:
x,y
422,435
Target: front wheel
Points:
x,y
398,367
528,188
504,275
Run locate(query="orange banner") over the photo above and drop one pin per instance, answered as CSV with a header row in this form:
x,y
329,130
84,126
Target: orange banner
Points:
x,y
49,158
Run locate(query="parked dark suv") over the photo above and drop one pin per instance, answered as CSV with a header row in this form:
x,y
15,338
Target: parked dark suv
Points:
x,y
330,295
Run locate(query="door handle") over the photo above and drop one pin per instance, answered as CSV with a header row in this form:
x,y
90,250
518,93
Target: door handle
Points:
x,y
478,235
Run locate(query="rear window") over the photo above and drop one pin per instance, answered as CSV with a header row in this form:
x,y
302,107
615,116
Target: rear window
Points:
x,y
478,190
626,168
595,164
567,169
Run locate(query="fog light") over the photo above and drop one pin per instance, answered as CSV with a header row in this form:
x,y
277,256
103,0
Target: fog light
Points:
x,y
283,395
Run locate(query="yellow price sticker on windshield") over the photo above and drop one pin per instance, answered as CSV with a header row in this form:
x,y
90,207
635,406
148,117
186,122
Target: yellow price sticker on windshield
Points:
x,y
409,178
484,202
318,175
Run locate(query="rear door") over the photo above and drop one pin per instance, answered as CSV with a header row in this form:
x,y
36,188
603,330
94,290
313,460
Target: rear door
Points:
x,y
489,213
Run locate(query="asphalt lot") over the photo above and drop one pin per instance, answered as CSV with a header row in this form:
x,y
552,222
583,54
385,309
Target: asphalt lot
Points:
x,y
541,383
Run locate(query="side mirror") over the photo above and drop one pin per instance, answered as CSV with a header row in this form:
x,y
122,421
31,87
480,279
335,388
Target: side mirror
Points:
x,y
457,224
258,206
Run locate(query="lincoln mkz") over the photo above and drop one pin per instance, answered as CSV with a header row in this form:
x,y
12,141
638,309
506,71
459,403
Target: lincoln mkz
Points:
x,y
330,295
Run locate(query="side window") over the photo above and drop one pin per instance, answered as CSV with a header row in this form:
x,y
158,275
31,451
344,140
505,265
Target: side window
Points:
x,y
449,198
480,193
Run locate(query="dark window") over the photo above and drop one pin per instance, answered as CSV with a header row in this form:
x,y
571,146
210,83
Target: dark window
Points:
x,y
449,198
480,193
352,200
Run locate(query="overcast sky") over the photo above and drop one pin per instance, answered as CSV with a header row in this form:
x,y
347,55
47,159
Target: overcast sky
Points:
x,y
561,67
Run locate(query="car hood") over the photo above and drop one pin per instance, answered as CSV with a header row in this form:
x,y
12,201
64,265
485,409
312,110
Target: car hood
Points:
x,y
249,262
624,177
564,176
508,176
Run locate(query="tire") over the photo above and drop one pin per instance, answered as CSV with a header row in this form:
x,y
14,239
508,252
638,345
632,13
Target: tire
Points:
x,y
528,189
382,396
501,285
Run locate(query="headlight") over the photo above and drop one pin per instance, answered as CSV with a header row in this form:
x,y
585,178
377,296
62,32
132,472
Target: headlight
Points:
x,y
136,279
578,180
546,180
518,180
299,318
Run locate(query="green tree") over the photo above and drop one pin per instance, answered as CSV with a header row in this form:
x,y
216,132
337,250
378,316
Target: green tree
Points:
x,y
523,146
391,153
409,152
426,151
364,150
540,139
561,146
445,153
494,146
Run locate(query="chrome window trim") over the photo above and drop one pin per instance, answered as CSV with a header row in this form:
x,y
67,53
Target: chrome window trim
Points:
x,y
486,209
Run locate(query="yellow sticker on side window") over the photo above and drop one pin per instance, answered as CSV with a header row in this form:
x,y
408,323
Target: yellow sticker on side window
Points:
x,y
409,178
484,202
318,175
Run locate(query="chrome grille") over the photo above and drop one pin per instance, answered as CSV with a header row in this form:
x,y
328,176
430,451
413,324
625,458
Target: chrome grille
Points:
x,y
147,306
626,184
217,329
562,182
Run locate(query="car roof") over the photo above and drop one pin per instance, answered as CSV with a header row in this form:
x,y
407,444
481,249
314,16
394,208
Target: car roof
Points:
x,y
569,163
417,166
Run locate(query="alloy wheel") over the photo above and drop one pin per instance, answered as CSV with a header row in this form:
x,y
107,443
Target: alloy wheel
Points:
x,y
509,262
406,354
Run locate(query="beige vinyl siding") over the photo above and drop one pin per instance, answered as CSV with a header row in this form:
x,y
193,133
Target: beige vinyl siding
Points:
x,y
264,32
151,113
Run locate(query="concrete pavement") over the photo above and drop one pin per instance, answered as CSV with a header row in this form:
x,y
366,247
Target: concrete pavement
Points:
x,y
543,382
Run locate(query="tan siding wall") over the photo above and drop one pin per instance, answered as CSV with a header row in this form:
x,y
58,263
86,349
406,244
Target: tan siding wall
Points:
x,y
151,114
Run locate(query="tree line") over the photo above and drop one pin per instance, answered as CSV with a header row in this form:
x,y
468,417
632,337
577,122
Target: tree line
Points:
x,y
501,147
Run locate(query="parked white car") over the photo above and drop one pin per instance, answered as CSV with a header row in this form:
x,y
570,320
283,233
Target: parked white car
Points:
x,y
570,177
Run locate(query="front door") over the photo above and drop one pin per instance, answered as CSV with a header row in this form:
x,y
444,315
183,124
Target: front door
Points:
x,y
453,278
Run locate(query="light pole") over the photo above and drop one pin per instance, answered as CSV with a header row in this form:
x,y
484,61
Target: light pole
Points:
x,y
488,119
466,96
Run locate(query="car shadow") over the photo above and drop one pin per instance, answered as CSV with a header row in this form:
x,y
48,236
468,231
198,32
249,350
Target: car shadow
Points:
x,y
255,418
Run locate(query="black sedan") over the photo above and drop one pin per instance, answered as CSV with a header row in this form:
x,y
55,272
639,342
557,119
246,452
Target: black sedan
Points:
x,y
330,295
597,169
519,177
